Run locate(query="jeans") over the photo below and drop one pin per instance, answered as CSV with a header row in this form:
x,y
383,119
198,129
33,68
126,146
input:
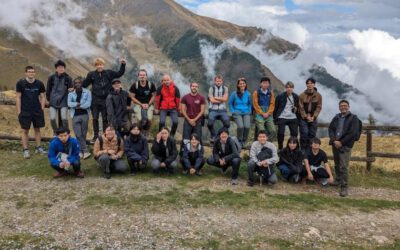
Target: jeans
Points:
x,y
185,167
308,130
156,165
268,125
96,110
144,117
214,115
80,125
293,125
53,117
75,165
235,163
189,129
267,173
243,123
108,165
341,158
174,118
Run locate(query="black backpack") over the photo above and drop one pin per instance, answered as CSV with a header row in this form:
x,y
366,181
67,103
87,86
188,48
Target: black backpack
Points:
x,y
264,154
360,126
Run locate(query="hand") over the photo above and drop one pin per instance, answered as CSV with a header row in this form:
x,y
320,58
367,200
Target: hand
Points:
x,y
163,165
78,105
222,162
310,177
337,144
111,152
61,165
192,122
158,137
145,106
265,163
113,157
330,180
123,61
156,111
265,115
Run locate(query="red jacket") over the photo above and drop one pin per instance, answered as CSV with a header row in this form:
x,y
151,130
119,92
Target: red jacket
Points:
x,y
168,97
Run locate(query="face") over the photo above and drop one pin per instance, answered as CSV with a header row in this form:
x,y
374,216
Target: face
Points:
x,y
194,142
242,85
135,131
164,134
289,90
110,133
194,88
292,145
262,138
166,80
60,69
142,76
310,85
117,86
218,81
99,67
77,84
264,85
315,146
224,137
344,108
63,137
30,73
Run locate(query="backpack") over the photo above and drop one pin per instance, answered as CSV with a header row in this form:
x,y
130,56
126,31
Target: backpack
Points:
x,y
237,143
360,126
102,142
264,154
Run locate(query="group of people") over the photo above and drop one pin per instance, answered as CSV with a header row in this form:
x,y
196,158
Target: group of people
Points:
x,y
299,160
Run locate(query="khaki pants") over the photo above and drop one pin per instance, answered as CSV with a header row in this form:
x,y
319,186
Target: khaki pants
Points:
x,y
138,112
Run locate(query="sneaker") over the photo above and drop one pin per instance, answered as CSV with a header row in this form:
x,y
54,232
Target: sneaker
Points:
x,y
234,181
343,192
40,150
250,183
199,173
60,174
80,155
26,154
295,178
79,174
86,155
107,175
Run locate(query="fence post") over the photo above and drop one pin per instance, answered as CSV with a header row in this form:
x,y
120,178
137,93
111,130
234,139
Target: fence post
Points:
x,y
369,149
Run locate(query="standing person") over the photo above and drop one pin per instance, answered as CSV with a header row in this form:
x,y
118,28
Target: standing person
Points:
x,y
100,79
192,159
143,95
291,161
79,102
344,130
108,151
117,103
264,105
263,156
30,102
167,103
217,96
310,105
58,86
285,113
240,105
64,154
225,154
192,108
136,149
164,152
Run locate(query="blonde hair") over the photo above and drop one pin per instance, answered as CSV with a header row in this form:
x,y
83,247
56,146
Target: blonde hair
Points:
x,y
289,84
98,61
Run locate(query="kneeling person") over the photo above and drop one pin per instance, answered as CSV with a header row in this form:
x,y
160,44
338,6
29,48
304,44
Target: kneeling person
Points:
x,y
136,149
263,156
108,151
64,154
317,164
291,161
226,154
192,159
164,152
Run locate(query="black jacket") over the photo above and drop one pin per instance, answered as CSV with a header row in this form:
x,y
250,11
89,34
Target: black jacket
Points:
x,y
117,111
101,82
192,158
231,151
159,151
57,90
136,148
350,130
293,159
280,103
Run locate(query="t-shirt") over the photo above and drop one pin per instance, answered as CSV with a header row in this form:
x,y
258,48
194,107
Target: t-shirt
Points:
x,y
30,94
79,111
287,111
143,94
318,159
193,104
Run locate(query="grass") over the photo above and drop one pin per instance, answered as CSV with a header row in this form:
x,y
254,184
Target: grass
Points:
x,y
19,241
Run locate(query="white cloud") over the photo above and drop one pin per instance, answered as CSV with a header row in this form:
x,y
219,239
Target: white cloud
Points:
x,y
141,32
211,54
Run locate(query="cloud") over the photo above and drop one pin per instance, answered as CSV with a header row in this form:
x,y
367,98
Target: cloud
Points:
x,y
141,32
51,22
211,54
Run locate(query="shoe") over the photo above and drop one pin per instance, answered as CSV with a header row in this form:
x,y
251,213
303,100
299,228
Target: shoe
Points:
x,y
199,173
295,178
60,174
343,192
86,155
40,150
223,170
79,174
234,181
26,154
107,175
93,140
250,183
80,155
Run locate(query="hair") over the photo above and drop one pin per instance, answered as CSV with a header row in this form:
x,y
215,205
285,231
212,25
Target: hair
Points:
x,y
62,130
289,84
265,78
223,130
293,139
109,127
218,77
344,101
237,85
142,70
315,140
98,61
193,83
165,128
79,78
29,68
262,132
195,136
310,80
60,63
134,125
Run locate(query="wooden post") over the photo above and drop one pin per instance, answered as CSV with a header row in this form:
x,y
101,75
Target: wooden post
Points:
x,y
369,149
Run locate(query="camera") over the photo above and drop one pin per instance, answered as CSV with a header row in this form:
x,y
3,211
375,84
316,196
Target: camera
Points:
x,y
294,110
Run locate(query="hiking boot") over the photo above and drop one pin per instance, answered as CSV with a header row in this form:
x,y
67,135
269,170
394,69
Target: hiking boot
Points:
x,y
60,174
26,153
234,182
250,183
343,192
40,150
79,174
86,155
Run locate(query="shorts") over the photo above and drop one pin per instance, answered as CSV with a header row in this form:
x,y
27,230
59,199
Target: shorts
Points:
x,y
26,118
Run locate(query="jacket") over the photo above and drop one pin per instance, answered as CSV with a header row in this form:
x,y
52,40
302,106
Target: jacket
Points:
x,y
71,148
117,103
101,82
293,159
310,103
108,145
240,105
86,101
280,104
192,158
231,151
136,148
159,151
256,148
350,130
168,97
260,103
57,90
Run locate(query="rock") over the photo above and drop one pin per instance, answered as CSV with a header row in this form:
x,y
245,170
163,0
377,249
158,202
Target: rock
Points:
x,y
380,239
313,232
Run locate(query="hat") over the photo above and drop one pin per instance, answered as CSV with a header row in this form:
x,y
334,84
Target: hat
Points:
x,y
263,79
115,81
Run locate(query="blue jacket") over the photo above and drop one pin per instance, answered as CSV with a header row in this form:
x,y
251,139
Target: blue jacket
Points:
x,y
71,148
240,105
86,101
136,150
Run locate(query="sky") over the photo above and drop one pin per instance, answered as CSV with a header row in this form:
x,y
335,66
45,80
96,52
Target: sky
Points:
x,y
357,41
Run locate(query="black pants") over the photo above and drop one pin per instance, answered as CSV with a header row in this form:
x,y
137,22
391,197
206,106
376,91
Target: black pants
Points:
x,y
293,125
189,129
235,163
98,108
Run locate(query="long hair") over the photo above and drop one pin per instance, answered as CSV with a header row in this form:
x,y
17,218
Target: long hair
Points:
x,y
238,92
